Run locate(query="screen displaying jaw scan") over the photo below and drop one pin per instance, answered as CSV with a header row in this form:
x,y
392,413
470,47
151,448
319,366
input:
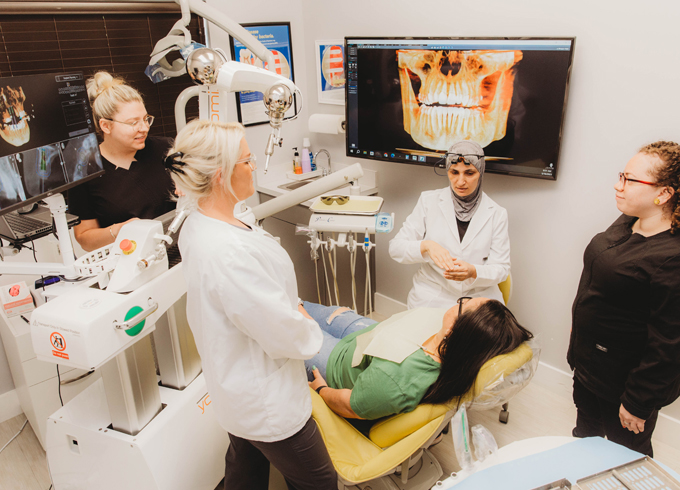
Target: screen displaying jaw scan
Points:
x,y
409,100
48,142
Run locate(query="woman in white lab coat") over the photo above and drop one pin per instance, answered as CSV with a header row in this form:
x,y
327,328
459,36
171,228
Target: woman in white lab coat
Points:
x,y
451,266
244,312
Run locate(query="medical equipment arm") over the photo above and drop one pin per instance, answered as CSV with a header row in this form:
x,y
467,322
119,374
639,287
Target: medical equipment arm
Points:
x,y
232,28
309,191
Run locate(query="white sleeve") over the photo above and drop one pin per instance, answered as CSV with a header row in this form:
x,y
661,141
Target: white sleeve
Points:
x,y
497,267
405,246
257,303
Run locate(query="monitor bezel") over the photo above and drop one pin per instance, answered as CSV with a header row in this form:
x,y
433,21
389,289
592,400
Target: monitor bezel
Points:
x,y
553,177
32,200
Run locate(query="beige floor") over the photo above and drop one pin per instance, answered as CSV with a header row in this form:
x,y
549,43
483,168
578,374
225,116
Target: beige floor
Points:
x,y
533,412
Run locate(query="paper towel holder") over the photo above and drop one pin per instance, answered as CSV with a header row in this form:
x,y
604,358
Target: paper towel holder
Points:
x,y
327,123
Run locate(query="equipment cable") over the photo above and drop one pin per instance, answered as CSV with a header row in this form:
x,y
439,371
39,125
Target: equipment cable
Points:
x,y
15,436
59,379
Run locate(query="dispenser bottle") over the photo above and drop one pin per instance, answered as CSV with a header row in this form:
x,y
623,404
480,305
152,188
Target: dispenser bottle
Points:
x,y
297,167
306,161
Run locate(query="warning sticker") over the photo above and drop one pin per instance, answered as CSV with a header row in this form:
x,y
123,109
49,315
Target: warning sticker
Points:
x,y
57,341
62,355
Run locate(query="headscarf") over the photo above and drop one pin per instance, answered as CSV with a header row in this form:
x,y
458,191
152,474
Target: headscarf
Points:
x,y
465,206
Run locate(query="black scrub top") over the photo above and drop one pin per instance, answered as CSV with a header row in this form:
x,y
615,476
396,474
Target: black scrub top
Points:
x,y
143,191
625,338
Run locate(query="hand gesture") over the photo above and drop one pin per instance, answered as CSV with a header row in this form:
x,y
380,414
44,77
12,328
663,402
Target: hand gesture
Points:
x,y
460,271
439,255
631,422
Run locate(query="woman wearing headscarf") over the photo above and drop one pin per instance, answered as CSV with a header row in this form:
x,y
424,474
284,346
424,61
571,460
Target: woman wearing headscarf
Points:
x,y
458,234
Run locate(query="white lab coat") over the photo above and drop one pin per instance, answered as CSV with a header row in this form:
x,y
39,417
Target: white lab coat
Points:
x,y
486,245
242,308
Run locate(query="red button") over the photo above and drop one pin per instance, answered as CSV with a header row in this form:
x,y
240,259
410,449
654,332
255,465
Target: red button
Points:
x,y
125,245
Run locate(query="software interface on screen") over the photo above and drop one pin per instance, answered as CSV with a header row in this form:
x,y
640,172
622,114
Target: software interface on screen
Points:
x,y
47,143
409,100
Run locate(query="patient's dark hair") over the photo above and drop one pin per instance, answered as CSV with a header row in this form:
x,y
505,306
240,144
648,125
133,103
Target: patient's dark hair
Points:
x,y
477,336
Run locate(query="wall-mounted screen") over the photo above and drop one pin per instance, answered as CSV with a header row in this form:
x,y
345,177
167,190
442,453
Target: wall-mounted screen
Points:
x,y
47,138
408,100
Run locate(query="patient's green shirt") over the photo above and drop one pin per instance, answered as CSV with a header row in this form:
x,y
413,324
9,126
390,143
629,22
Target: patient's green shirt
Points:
x,y
380,387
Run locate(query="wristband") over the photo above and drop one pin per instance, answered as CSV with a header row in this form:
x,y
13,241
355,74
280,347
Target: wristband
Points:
x,y
111,231
318,390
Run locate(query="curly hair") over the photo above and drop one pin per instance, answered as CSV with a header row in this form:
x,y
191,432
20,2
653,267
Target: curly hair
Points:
x,y
668,174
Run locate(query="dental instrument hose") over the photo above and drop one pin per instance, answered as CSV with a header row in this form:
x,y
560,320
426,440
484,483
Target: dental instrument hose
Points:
x,y
335,277
353,268
325,274
316,275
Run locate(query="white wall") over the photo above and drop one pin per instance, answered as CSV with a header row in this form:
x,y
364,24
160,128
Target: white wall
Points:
x,y
623,94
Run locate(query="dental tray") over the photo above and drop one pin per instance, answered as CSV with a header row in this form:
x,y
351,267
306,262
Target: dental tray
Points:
x,y
366,205
643,473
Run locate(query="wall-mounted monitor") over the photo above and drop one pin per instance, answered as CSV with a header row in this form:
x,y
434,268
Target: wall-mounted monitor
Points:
x,y
47,137
409,99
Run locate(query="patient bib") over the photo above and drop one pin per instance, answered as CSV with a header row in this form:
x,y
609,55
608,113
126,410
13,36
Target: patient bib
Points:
x,y
400,336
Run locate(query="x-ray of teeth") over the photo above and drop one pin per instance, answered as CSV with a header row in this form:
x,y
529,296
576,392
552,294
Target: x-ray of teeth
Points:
x,y
81,156
43,169
11,188
449,96
14,127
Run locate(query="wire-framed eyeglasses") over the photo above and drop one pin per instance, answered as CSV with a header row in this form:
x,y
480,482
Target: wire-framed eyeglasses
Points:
x,y
623,179
460,304
136,125
251,161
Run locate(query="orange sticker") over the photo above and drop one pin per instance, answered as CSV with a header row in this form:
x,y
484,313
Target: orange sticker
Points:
x,y
62,355
57,341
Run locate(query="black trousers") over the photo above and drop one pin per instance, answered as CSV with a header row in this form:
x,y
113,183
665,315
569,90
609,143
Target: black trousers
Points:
x,y
599,417
302,459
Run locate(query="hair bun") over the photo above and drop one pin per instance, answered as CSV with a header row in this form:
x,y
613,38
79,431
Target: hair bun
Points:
x,y
100,82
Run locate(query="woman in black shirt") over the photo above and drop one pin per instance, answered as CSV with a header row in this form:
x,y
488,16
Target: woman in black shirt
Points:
x,y
625,339
135,184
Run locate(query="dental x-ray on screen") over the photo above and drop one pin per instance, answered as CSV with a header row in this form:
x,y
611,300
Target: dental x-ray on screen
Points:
x,y
48,142
409,100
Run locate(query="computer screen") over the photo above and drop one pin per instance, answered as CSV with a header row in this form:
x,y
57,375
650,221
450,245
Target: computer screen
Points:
x,y
409,99
47,139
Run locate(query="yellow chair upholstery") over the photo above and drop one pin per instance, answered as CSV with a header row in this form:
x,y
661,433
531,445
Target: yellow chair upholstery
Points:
x,y
394,439
506,288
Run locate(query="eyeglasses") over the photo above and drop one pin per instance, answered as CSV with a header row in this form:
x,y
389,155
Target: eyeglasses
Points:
x,y
624,179
467,159
460,304
251,161
331,199
136,125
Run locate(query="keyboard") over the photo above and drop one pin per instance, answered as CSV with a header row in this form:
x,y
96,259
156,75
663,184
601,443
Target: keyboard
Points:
x,y
24,224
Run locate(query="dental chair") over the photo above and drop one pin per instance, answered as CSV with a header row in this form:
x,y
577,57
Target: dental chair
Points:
x,y
394,456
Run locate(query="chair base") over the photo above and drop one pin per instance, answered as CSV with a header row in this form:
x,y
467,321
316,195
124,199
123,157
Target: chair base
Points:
x,y
422,476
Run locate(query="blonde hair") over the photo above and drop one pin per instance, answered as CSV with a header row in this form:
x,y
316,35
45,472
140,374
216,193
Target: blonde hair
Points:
x,y
206,147
106,93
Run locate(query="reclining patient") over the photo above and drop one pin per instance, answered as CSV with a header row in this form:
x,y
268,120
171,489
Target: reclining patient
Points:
x,y
369,370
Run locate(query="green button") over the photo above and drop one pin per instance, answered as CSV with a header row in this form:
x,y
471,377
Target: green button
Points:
x,y
135,310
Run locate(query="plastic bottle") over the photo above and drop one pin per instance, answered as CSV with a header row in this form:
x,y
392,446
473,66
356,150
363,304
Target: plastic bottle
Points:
x,y
297,167
306,161
311,154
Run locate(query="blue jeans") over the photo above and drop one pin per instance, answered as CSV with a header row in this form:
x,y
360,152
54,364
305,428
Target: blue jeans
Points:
x,y
341,326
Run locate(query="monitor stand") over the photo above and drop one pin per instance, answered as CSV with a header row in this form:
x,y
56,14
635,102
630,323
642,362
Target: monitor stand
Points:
x,y
66,269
